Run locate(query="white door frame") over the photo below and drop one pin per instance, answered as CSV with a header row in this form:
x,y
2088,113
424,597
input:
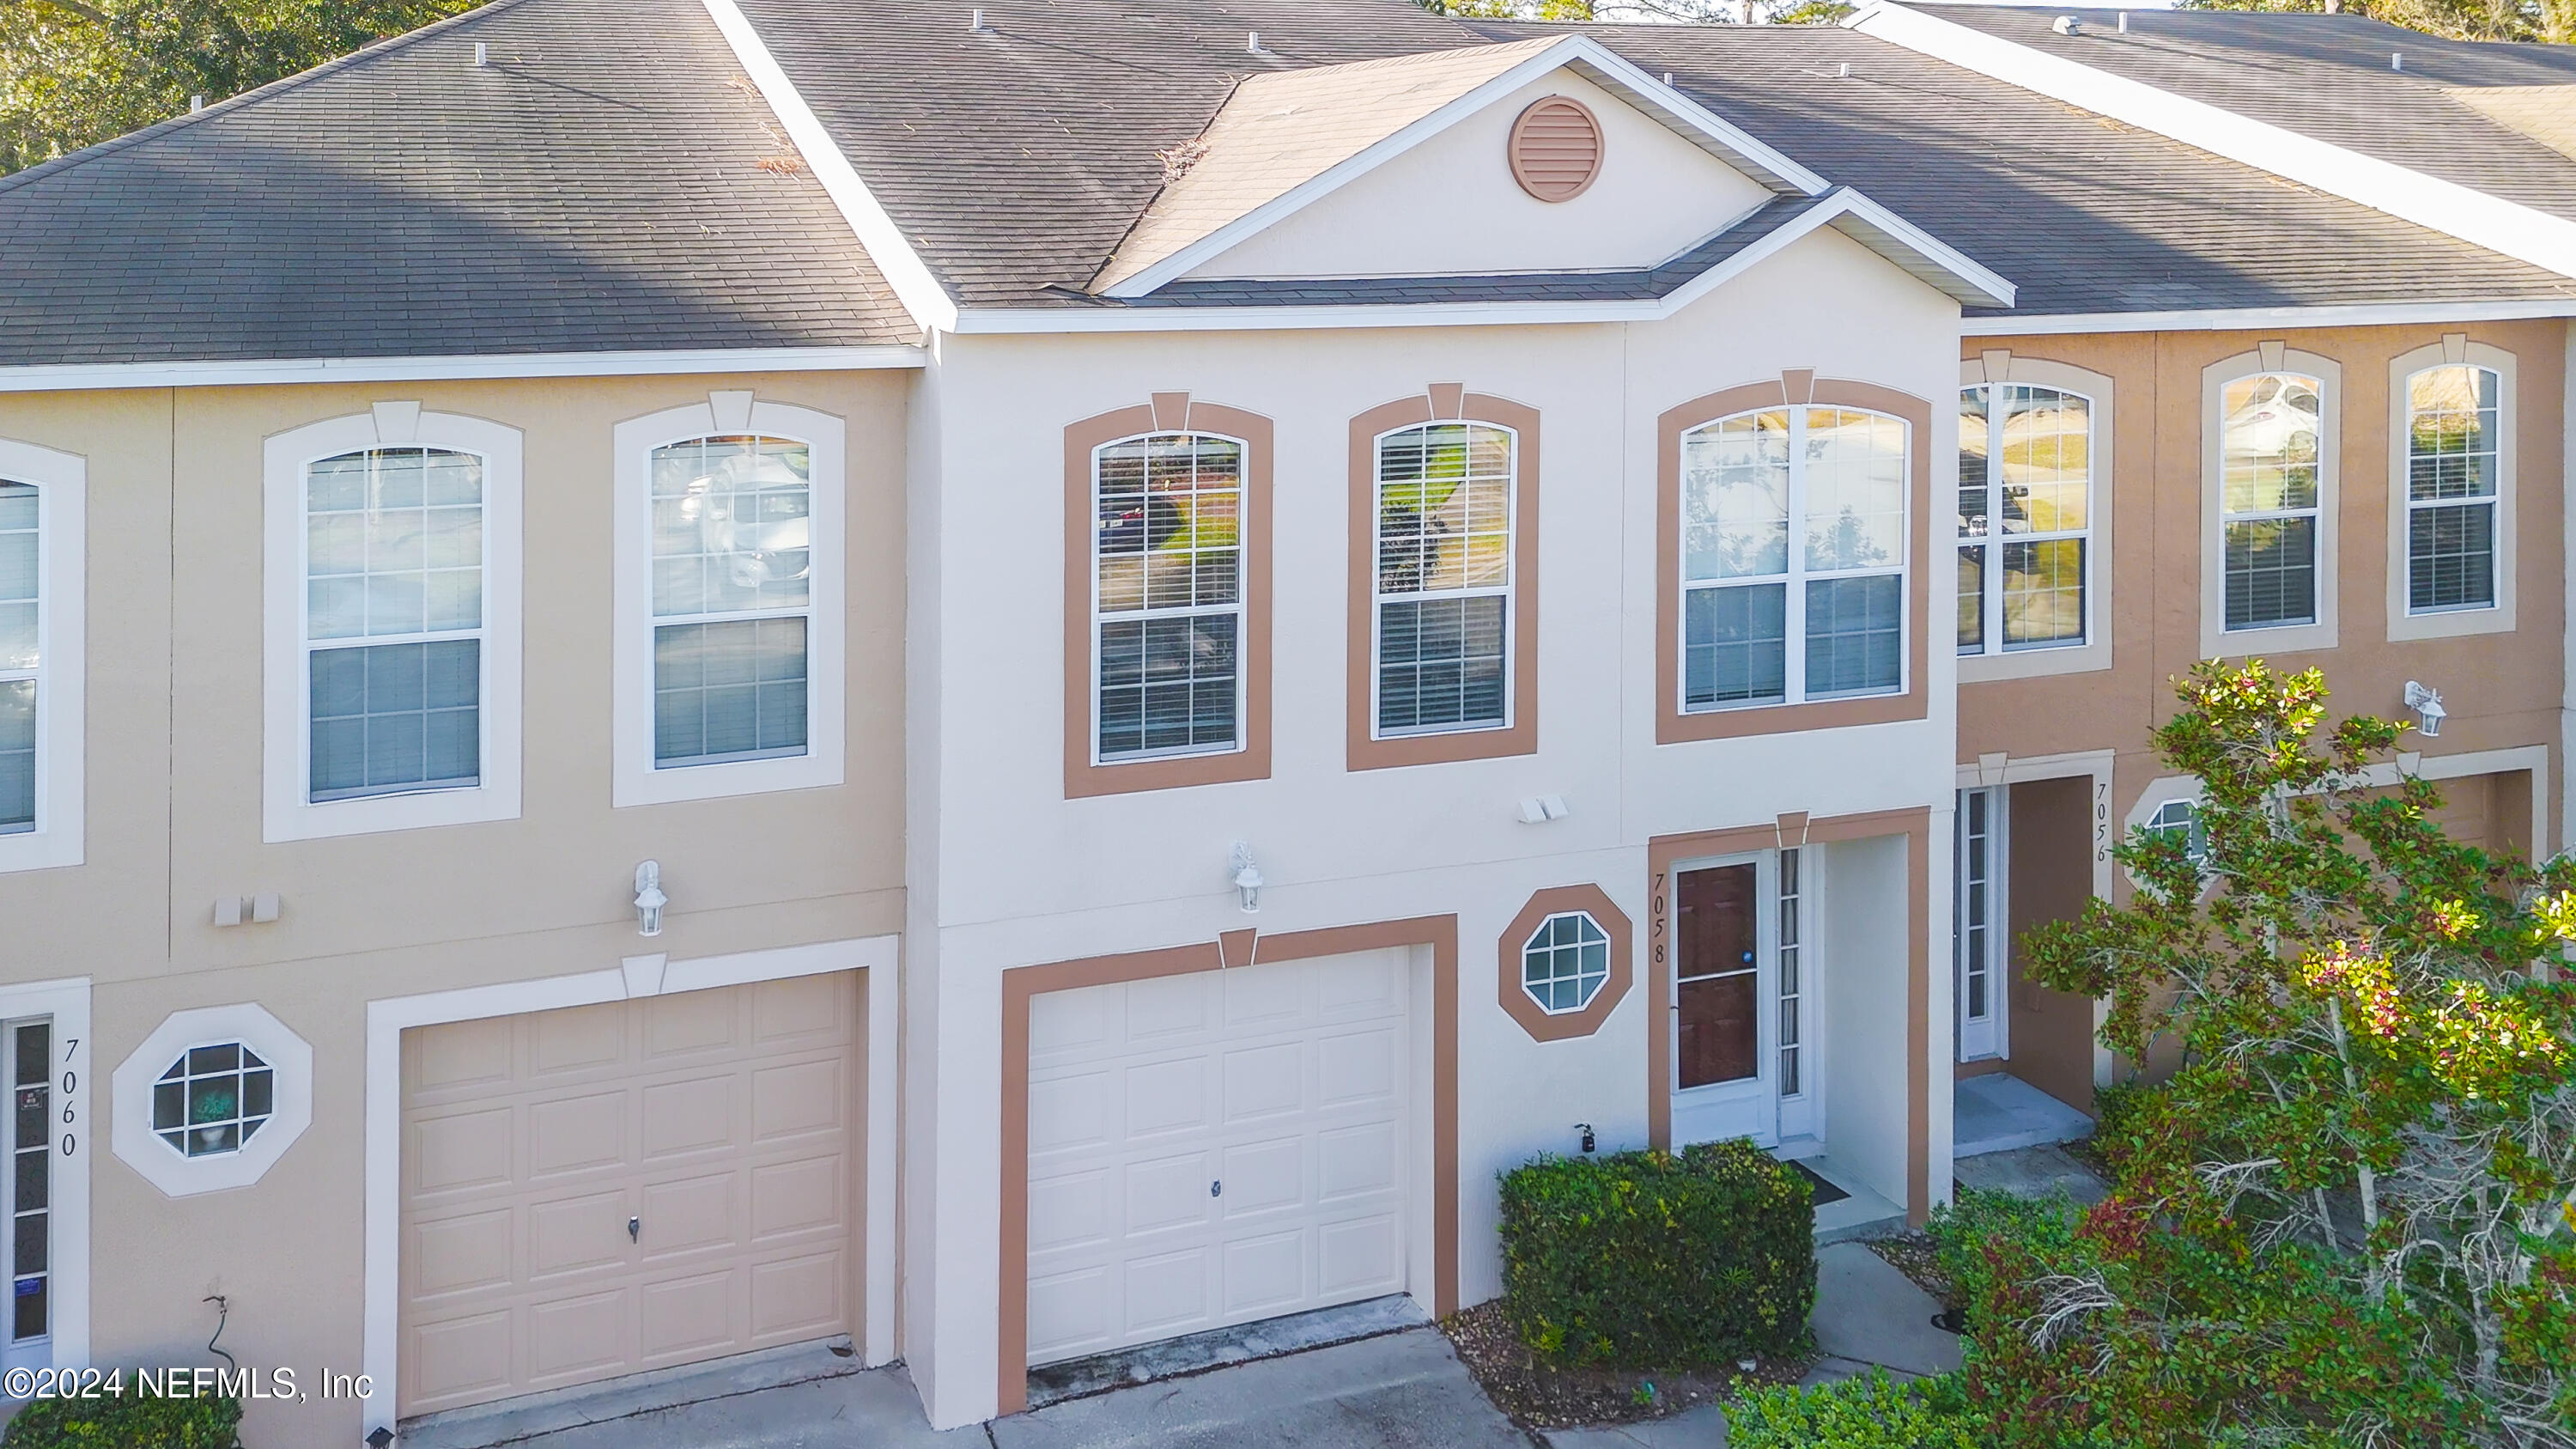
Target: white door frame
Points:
x,y
632,979
67,1003
1999,768
1747,1107
1986,1038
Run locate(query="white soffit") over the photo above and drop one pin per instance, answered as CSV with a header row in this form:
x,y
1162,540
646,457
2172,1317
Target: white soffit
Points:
x,y
2447,207
1164,255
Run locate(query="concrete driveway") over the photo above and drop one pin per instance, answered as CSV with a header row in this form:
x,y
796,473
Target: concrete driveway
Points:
x,y
1399,1391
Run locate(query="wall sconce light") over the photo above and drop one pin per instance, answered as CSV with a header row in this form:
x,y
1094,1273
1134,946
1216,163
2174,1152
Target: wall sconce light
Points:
x,y
649,899
2427,704
1247,877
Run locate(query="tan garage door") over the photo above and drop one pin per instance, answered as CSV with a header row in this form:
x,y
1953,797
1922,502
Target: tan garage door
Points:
x,y
608,1189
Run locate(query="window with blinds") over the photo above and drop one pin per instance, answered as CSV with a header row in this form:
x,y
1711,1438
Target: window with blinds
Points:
x,y
1443,639
1167,595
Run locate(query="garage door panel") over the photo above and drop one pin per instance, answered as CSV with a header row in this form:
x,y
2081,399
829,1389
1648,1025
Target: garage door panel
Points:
x,y
459,1152
1267,1081
796,1197
1219,1077
1167,1293
576,1134
1265,1275
1168,1192
460,1254
1361,1257
1166,1097
685,1117
580,1038
790,1101
1070,1113
686,1317
797,1298
719,1120
1263,1177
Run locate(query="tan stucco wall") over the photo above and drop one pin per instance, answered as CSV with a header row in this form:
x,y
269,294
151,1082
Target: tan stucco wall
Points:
x,y
174,820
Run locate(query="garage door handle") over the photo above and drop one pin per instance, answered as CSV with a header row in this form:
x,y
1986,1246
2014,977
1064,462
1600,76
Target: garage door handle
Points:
x,y
634,1230
1217,1188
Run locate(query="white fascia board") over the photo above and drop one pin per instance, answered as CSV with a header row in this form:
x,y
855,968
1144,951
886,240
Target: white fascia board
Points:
x,y
920,292
2520,232
1571,50
1879,227
2248,319
78,376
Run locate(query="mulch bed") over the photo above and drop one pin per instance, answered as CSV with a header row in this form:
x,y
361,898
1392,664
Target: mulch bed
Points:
x,y
1536,1397
1911,1253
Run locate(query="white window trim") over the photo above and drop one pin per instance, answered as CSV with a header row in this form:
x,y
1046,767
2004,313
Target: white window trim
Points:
x,y
1508,590
1796,575
287,773
2158,794
290,1059
2217,641
636,780
1242,607
2498,618
62,515
2100,564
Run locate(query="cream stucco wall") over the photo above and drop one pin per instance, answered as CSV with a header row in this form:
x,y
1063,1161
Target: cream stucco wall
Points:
x,y
1025,876
174,748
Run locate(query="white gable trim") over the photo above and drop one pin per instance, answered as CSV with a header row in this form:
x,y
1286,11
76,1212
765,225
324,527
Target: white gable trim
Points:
x,y
2224,319
928,302
1579,51
2471,215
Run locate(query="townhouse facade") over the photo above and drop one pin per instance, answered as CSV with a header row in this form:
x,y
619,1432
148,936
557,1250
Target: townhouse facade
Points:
x,y
704,692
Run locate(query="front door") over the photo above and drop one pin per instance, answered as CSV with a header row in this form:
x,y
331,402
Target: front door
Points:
x,y
1979,937
26,1196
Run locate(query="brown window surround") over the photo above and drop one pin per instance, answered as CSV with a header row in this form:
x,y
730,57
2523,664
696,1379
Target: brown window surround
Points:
x,y
1794,389
1556,901
1235,949
1170,412
1445,402
1792,831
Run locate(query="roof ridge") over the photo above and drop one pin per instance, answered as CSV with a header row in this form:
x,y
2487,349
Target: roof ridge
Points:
x,y
272,89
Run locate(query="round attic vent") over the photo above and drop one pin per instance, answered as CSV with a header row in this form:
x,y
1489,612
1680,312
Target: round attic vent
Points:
x,y
1556,148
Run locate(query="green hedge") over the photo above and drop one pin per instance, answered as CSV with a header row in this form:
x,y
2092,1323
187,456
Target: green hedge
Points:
x,y
1648,1260
1871,1413
126,1421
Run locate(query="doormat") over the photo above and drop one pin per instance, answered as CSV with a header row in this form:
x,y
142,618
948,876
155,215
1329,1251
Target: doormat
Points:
x,y
1825,1191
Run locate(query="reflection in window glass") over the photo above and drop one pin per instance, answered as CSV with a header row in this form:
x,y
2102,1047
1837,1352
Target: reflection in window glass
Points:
x,y
18,661
1444,577
2025,516
2452,471
393,563
2269,478
1834,479
732,592
1168,594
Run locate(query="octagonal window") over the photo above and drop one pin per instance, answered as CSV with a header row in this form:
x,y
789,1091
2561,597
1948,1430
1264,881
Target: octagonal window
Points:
x,y
1565,962
212,1099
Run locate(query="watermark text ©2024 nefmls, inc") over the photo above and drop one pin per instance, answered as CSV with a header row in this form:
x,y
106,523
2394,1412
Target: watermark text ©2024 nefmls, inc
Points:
x,y
182,1383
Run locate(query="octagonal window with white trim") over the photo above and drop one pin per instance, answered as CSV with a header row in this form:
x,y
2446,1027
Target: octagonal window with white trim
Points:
x,y
213,1099
1565,962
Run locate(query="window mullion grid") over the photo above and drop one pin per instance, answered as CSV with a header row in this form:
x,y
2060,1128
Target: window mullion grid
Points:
x,y
1101,618
1990,587
1793,627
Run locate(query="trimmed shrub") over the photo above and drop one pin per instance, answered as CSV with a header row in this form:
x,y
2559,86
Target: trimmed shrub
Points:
x,y
126,1421
1651,1260
1871,1413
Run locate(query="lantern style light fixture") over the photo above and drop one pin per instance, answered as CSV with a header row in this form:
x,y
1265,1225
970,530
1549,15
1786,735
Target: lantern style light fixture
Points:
x,y
649,899
1247,877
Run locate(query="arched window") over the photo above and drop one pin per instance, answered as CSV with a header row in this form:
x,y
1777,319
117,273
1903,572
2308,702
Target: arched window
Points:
x,y
2025,517
1167,595
1444,615
2270,493
2453,478
1793,557
20,655
733,568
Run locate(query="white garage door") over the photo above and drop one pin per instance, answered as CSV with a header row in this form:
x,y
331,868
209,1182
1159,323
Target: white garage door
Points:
x,y
607,1189
1215,1148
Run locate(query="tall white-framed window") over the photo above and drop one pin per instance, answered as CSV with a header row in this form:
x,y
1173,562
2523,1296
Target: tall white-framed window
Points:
x,y
1444,606
1167,596
1980,933
2026,554
2269,555
393,624
43,510
1793,557
2451,518
731,528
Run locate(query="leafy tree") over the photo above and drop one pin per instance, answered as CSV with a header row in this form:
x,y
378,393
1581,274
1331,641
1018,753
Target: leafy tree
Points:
x,y
2346,1218
76,72
2553,20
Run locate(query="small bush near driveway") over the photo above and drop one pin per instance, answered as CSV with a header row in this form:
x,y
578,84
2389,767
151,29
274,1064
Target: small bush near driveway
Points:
x,y
1657,1260
1871,1413
125,1421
